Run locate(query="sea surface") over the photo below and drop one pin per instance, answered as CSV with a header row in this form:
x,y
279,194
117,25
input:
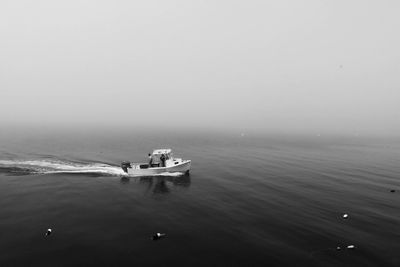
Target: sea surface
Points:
x,y
250,200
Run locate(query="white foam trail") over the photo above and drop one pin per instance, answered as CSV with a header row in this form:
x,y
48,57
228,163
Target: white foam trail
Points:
x,y
56,166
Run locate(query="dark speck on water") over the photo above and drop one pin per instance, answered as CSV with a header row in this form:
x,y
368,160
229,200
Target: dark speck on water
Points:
x,y
248,201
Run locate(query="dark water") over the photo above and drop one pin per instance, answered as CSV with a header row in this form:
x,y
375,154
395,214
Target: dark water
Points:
x,y
249,201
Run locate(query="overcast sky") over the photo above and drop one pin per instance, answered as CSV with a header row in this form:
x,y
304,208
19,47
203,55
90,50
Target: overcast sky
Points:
x,y
317,66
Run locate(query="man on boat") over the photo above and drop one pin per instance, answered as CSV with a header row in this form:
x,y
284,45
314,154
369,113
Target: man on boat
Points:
x,y
162,158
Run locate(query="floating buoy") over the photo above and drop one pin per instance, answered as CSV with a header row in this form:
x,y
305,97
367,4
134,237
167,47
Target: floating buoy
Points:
x,y
338,248
158,236
392,191
345,216
48,232
351,247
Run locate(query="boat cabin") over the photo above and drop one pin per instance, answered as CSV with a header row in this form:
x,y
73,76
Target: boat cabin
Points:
x,y
159,157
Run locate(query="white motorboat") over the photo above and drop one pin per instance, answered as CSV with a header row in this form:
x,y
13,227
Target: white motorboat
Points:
x,y
160,161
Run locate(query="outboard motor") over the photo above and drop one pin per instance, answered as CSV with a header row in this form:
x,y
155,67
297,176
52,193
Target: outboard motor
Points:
x,y
125,165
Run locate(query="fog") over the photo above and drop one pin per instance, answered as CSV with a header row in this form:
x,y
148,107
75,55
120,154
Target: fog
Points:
x,y
292,66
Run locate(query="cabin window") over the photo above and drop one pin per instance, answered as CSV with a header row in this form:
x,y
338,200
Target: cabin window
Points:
x,y
144,166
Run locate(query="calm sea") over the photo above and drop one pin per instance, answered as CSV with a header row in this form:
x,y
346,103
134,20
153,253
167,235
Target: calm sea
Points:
x,y
250,200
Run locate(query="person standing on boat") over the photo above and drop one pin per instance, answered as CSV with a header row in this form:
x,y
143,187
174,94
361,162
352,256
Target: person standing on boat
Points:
x,y
162,158
150,160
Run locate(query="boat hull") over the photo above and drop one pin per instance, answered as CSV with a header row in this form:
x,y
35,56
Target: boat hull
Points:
x,y
183,167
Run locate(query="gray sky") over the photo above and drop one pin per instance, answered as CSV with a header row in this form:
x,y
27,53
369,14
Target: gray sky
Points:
x,y
317,66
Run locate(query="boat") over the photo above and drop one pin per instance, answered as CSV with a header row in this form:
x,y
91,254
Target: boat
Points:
x,y
160,161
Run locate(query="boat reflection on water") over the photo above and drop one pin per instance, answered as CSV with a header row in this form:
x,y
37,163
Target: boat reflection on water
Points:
x,y
160,184
124,180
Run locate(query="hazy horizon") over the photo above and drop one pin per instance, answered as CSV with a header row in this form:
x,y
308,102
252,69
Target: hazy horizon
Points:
x,y
278,66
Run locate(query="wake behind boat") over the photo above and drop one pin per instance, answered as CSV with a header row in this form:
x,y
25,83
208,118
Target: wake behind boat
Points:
x,y
160,161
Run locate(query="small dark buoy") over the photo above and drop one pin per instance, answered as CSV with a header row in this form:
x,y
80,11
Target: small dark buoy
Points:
x,y
48,232
392,191
158,236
